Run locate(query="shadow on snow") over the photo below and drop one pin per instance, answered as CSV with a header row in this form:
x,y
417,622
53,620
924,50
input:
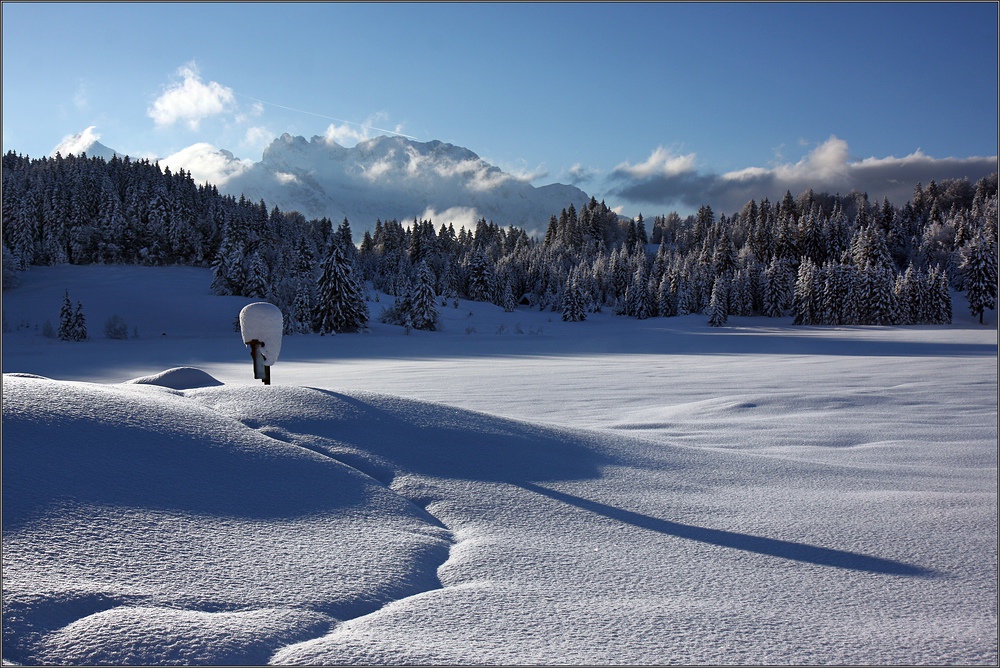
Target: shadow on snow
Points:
x,y
784,549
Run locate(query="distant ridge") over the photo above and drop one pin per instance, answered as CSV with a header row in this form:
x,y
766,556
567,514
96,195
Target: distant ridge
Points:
x,y
394,177
379,178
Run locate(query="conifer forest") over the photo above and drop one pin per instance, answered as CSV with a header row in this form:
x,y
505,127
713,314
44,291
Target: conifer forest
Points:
x,y
821,258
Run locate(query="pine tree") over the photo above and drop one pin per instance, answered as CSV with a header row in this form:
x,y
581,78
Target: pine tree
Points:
x,y
301,318
868,247
481,277
423,299
980,269
774,289
718,305
637,298
665,298
909,294
508,298
940,299
877,297
685,295
79,324
66,323
740,299
572,303
256,277
340,304
805,294
836,291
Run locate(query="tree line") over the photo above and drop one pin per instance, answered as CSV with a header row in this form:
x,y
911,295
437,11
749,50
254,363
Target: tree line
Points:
x,y
820,258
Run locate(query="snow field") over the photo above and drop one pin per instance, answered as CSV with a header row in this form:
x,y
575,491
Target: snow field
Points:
x,y
606,492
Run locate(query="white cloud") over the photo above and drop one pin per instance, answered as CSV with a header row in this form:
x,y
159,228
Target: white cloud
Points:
x,y
827,163
78,143
668,180
527,175
459,216
207,163
257,138
661,162
488,179
191,100
450,168
344,134
347,134
380,168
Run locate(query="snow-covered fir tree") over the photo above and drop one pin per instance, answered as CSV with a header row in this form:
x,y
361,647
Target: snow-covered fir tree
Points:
x,y
481,277
423,299
341,305
573,309
806,287
979,266
774,289
72,323
718,306
66,331
79,324
666,299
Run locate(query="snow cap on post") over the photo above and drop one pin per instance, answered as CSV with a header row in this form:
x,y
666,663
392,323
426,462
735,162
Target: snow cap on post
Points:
x,y
263,322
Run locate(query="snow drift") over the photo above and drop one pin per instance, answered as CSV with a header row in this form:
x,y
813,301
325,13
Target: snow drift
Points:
x,y
510,489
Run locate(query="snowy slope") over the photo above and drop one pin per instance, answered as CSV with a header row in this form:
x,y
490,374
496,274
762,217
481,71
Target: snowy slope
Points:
x,y
604,492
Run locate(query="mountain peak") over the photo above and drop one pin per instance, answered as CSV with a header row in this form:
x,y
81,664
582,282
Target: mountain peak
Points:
x,y
393,177
84,142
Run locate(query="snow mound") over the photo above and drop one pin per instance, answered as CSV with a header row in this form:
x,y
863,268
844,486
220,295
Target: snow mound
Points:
x,y
120,504
162,636
178,378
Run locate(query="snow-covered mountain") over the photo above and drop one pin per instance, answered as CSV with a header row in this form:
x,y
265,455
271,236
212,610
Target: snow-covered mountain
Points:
x,y
85,142
383,177
394,177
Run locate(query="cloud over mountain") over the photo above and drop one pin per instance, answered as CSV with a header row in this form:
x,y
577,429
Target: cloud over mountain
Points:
x,y
670,180
387,177
207,163
84,142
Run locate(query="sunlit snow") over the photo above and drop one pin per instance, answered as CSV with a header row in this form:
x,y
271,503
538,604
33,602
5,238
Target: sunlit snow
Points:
x,y
511,489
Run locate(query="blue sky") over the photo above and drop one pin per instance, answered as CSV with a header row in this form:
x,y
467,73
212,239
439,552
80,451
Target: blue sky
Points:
x,y
652,107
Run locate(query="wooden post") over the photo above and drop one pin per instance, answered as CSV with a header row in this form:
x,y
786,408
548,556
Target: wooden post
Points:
x,y
260,330
260,372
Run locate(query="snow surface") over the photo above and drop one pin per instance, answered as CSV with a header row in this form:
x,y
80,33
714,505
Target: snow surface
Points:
x,y
512,489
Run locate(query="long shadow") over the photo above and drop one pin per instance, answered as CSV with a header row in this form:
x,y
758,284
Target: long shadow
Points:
x,y
784,549
447,442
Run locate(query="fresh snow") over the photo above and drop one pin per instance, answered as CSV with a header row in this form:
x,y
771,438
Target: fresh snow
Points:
x,y
262,322
511,489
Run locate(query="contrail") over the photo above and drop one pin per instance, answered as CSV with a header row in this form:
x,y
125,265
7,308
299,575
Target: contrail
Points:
x,y
329,118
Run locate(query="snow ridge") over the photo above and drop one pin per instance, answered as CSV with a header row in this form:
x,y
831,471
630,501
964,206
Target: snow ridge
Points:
x,y
168,528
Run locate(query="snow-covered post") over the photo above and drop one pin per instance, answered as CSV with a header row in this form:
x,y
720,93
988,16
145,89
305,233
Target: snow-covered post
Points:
x,y
261,325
